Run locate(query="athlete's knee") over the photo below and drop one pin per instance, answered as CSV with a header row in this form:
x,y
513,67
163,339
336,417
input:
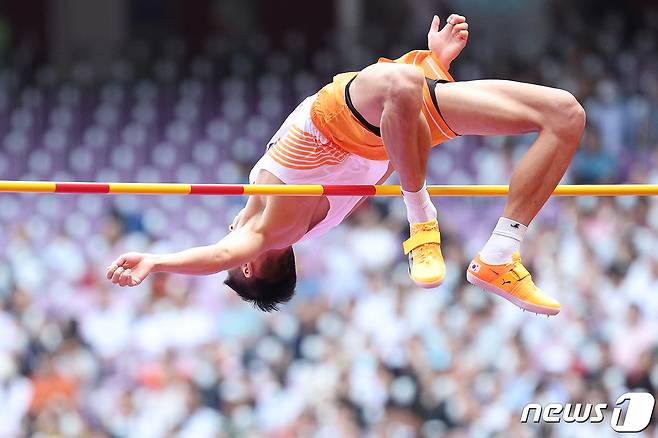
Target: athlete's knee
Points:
x,y
573,112
404,86
567,116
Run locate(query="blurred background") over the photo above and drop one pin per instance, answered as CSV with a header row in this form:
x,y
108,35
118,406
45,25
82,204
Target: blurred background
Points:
x,y
191,91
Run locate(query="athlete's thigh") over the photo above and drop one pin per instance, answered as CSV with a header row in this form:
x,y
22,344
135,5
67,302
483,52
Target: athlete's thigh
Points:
x,y
370,87
495,107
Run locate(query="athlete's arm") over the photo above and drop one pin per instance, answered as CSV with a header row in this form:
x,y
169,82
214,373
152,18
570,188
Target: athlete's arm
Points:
x,y
235,249
446,44
284,221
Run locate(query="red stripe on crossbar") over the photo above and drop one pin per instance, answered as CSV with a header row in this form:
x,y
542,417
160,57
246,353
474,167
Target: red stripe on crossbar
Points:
x,y
216,189
71,187
347,190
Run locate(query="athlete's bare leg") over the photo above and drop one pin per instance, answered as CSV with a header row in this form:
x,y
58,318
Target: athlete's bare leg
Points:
x,y
495,107
391,96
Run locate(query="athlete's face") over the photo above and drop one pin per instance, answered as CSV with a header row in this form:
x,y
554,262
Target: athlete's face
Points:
x,y
255,267
264,266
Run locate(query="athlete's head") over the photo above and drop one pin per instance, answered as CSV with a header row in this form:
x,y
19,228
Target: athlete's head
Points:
x,y
266,282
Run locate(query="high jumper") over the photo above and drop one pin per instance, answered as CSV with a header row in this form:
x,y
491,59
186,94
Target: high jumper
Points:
x,y
358,130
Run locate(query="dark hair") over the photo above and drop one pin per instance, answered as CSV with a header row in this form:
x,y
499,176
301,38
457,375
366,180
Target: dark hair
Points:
x,y
267,293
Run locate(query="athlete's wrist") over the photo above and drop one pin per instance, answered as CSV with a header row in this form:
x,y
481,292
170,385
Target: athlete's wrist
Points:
x,y
441,60
158,262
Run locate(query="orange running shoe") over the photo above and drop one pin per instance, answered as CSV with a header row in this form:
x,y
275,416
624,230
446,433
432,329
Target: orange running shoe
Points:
x,y
513,282
426,266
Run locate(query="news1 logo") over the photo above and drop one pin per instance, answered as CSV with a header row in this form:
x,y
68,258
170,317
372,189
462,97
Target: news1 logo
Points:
x,y
637,418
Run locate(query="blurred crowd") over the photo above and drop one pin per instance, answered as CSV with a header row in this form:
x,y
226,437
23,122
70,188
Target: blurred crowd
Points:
x,y
359,351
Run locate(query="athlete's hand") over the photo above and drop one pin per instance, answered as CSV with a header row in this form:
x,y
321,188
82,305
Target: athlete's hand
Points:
x,y
130,269
448,42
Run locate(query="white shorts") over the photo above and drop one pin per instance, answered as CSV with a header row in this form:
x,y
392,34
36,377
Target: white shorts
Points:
x,y
299,154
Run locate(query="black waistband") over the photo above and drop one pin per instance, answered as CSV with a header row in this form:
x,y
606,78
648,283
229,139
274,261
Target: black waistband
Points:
x,y
348,100
431,83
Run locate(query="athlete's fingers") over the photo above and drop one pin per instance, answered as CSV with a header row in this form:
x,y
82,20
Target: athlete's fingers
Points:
x,y
116,275
125,278
436,21
463,34
115,264
120,260
455,19
459,27
129,281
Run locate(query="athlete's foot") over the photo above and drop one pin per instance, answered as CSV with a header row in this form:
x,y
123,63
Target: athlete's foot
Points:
x,y
426,266
513,282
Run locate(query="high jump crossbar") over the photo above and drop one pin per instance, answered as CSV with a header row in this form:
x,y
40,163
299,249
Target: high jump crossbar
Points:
x,y
308,190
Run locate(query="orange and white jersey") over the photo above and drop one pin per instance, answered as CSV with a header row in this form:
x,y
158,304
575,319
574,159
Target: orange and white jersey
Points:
x,y
322,141
333,117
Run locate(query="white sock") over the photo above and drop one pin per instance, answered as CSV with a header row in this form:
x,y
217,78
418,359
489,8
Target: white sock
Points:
x,y
419,206
504,241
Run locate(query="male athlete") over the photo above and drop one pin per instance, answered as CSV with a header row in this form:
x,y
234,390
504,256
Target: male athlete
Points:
x,y
360,128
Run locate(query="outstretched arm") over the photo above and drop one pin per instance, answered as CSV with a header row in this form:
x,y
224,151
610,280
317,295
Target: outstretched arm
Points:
x,y
237,248
283,221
